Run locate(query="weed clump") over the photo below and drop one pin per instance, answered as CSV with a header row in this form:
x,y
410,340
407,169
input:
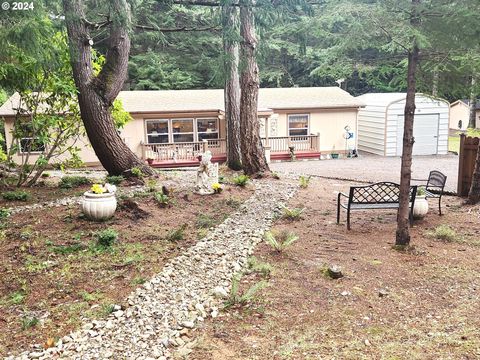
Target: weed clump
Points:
x,y
70,182
280,241
106,238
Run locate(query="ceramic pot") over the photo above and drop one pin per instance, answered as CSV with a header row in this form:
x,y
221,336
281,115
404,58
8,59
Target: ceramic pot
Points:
x,y
420,209
99,206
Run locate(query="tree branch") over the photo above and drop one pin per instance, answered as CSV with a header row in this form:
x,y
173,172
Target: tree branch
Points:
x,y
183,28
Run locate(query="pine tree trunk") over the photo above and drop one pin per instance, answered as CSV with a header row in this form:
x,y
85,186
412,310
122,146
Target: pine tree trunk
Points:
x,y
435,80
474,193
232,86
253,155
97,93
473,102
403,231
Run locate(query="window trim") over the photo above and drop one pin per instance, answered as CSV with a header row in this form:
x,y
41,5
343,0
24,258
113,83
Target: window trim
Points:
x,y
182,133
20,147
157,120
217,125
308,124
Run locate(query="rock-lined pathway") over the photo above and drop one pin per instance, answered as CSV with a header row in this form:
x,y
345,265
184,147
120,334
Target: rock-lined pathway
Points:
x,y
190,288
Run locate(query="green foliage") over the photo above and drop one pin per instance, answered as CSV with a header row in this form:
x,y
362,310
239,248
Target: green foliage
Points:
x,y
17,297
421,191
29,322
444,232
137,172
67,249
106,238
114,179
262,268
152,185
120,116
241,180
161,199
473,132
235,298
204,221
275,176
304,181
4,213
177,234
292,214
280,241
17,195
70,182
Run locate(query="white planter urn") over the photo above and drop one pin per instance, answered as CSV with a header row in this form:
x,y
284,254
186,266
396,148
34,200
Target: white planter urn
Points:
x,y
99,206
420,208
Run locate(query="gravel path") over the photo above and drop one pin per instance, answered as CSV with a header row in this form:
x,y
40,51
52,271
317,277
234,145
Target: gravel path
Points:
x,y
191,287
372,168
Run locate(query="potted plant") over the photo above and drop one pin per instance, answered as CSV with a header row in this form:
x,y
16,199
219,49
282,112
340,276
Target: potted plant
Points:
x,y
100,203
150,161
420,208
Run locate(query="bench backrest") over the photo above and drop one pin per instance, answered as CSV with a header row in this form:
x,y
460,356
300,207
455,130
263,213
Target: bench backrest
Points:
x,y
436,180
378,193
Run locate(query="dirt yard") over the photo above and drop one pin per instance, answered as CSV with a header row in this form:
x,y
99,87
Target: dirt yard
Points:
x,y
53,273
419,304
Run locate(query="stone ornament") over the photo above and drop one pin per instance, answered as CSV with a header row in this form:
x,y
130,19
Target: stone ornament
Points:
x,y
207,175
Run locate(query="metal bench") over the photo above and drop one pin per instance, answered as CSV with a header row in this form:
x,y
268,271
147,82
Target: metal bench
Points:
x,y
382,195
434,186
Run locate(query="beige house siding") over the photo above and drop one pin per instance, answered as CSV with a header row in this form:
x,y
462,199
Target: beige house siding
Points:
x,y
460,111
330,123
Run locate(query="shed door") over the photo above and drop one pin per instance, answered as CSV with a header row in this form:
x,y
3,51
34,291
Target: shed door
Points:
x,y
425,131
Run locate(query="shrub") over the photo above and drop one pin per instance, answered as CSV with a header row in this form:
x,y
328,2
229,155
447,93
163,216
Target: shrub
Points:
x,y
280,241
28,322
304,181
262,268
236,298
45,175
241,180
4,213
292,214
69,182
444,232
152,185
161,199
136,172
17,195
106,238
114,179
177,234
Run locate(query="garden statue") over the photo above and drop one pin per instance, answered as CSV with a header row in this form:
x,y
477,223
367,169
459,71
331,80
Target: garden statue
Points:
x,y
207,175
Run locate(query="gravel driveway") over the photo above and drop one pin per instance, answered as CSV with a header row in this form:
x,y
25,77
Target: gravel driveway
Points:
x,y
374,168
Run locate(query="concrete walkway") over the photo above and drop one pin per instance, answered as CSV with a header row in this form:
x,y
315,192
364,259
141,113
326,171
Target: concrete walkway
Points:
x,y
373,168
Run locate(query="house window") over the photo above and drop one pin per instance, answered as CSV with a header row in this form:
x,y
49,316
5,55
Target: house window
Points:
x,y
157,131
298,125
207,129
29,143
182,130
32,145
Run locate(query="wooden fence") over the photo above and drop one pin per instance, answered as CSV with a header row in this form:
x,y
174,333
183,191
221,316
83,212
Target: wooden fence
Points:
x,y
466,166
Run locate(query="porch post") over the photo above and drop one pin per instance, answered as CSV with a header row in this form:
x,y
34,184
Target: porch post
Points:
x,y
318,141
204,145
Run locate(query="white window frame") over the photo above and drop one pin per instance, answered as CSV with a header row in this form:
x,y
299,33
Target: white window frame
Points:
x,y
157,120
182,133
206,132
20,147
307,128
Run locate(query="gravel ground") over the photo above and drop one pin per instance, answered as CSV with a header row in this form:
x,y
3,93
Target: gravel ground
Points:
x,y
191,287
373,168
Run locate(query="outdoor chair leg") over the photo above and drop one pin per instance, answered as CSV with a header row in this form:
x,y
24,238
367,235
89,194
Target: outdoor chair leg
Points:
x,y
440,206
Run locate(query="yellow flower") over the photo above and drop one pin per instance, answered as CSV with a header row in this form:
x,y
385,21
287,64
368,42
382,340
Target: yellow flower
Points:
x,y
97,189
217,187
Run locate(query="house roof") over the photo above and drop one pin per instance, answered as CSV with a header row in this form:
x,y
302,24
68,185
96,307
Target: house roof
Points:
x,y
149,101
466,103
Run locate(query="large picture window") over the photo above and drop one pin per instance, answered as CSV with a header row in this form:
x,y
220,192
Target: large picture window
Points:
x,y
157,131
207,129
298,125
182,130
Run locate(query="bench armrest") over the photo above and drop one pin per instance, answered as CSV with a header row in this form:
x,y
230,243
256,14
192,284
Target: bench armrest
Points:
x,y
340,194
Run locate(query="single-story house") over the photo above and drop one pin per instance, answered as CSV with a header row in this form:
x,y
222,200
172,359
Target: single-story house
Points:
x,y
381,123
460,115
173,126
